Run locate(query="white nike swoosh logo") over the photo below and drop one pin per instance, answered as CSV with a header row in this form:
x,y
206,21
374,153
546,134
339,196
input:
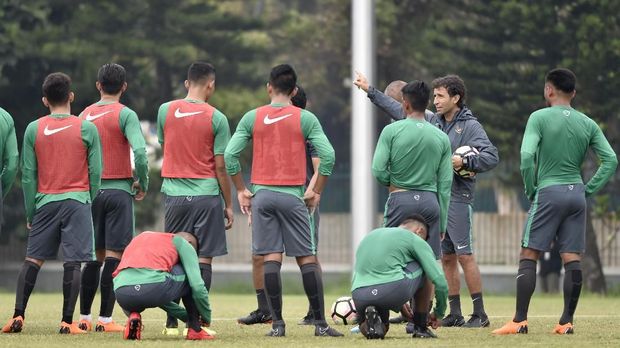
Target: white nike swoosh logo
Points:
x,y
461,246
323,331
520,275
179,114
268,120
90,117
47,131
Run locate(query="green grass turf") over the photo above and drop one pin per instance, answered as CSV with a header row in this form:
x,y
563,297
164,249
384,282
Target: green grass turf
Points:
x,y
596,325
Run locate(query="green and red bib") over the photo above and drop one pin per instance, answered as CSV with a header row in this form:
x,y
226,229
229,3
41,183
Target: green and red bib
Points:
x,y
151,250
114,144
62,159
279,147
189,141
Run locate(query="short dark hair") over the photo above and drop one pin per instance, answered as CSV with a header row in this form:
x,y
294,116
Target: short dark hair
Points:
x,y
562,79
200,72
454,85
417,93
416,218
299,99
111,77
283,78
56,88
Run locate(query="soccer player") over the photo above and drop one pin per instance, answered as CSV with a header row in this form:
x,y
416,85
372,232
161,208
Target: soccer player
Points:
x,y
57,197
194,135
393,265
262,315
554,146
113,217
8,156
455,119
413,159
280,219
155,270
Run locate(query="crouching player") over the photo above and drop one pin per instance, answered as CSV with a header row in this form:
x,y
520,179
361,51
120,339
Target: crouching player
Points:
x,y
157,268
393,265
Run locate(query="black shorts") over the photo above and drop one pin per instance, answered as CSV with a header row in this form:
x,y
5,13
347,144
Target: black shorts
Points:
x,y
138,297
557,211
389,296
281,222
66,223
202,216
402,204
113,217
459,238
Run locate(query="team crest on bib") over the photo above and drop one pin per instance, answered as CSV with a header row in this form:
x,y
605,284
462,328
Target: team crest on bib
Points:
x,y
570,187
566,113
458,130
137,287
416,197
374,292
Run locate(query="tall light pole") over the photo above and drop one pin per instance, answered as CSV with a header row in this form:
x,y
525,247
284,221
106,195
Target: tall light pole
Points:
x,y
363,188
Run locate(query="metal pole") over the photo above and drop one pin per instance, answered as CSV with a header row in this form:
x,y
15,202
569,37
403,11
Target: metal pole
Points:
x,y
363,188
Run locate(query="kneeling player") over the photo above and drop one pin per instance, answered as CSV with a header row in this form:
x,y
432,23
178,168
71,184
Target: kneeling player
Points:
x,y
157,268
392,266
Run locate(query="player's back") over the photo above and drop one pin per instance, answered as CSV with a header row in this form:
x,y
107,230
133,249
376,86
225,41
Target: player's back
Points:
x,y
565,135
382,254
415,154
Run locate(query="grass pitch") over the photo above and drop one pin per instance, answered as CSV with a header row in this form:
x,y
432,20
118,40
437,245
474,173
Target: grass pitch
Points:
x,y
596,325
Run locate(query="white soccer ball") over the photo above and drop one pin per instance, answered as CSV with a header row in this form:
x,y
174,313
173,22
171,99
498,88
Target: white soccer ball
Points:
x,y
343,311
465,151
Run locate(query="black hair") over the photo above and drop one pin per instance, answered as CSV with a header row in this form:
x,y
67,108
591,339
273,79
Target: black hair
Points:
x,y
416,218
562,79
200,72
417,93
454,85
283,78
111,77
299,99
56,88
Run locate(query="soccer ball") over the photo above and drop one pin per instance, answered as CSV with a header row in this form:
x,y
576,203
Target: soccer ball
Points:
x,y
343,311
465,151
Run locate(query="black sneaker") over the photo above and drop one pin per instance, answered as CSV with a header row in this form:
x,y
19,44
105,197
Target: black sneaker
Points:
x,y
255,317
398,320
375,325
326,331
277,330
477,320
453,320
422,332
307,320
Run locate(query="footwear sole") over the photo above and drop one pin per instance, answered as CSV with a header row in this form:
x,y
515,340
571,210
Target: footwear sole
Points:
x,y
375,326
135,325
